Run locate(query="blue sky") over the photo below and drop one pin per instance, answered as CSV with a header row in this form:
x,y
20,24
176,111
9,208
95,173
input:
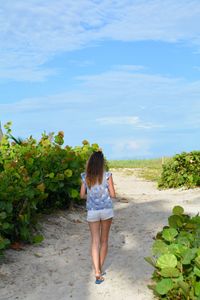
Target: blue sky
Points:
x,y
124,74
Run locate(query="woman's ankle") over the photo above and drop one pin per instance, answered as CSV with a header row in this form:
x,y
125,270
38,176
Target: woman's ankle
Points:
x,y
97,272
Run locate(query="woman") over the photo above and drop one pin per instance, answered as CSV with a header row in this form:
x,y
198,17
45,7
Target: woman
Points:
x,y
99,187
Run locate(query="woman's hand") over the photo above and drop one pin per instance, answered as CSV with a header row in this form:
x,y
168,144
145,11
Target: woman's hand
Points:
x,y
83,191
111,187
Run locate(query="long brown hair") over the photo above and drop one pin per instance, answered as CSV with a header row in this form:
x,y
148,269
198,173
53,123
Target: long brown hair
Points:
x,y
95,168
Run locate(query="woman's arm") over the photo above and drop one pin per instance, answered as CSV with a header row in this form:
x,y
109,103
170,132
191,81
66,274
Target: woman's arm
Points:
x,y
83,191
111,187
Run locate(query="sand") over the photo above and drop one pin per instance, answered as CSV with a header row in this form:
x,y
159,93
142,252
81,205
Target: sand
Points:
x,y
60,267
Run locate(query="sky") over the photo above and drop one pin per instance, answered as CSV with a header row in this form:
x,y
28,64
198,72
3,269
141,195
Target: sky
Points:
x,y
123,74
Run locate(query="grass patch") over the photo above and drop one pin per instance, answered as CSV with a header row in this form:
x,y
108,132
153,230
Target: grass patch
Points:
x,y
150,173
149,169
155,163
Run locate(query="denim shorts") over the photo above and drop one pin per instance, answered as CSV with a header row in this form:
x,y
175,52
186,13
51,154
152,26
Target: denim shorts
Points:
x,y
100,214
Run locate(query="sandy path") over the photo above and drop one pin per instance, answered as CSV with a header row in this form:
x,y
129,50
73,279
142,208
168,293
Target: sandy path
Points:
x,y
60,267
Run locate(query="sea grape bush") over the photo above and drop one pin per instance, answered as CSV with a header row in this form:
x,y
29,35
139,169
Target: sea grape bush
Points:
x,y
36,176
176,258
182,170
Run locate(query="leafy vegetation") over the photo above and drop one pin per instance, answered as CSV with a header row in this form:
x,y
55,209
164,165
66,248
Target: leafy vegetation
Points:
x,y
170,172
182,170
36,176
176,258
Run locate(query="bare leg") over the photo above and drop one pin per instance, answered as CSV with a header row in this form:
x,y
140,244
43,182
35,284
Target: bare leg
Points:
x,y
105,228
95,236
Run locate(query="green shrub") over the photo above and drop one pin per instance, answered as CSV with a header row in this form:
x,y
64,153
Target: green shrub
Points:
x,y
176,258
182,170
36,176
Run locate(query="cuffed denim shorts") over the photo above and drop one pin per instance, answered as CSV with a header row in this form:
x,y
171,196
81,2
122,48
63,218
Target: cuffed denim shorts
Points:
x,y
100,214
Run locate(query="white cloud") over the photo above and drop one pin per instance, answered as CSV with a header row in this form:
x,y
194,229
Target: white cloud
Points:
x,y
136,84
145,101
159,100
130,148
126,80
168,21
55,102
126,120
26,74
33,32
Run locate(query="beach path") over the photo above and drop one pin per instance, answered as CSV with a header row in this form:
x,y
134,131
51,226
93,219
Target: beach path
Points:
x,y
60,267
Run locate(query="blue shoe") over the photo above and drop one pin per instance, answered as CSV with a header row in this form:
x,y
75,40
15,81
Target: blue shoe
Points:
x,y
99,279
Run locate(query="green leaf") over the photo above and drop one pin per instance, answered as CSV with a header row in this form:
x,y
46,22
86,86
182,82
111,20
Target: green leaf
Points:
x,y
68,173
183,241
196,220
178,210
170,272
188,235
167,261
169,234
6,225
74,193
175,221
177,249
197,261
38,238
164,286
151,261
74,164
59,176
3,215
196,271
177,279
188,256
9,207
30,161
197,288
4,243
159,247
184,287
190,225
51,175
24,233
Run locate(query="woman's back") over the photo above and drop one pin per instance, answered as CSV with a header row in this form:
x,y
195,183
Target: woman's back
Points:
x,y
98,196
